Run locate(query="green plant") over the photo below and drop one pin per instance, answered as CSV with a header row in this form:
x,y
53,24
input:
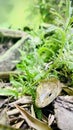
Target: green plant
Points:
x,y
47,53
49,47
46,8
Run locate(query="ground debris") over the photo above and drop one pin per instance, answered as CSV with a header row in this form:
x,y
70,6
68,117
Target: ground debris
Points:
x,y
64,112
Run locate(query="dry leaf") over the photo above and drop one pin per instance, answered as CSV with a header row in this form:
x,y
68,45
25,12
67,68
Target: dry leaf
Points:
x,y
18,125
3,127
68,90
51,119
23,100
4,119
15,111
31,121
47,91
32,111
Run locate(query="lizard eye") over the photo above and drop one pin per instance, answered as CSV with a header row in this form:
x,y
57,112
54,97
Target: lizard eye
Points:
x,y
50,94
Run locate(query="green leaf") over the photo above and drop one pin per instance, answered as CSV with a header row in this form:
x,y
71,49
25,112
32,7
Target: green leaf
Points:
x,y
8,92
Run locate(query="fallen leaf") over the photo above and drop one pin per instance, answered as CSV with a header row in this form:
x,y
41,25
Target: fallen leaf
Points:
x,y
18,125
32,111
3,127
4,119
31,121
51,119
68,90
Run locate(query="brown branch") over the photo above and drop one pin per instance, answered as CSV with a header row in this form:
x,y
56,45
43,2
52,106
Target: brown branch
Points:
x,y
11,33
12,56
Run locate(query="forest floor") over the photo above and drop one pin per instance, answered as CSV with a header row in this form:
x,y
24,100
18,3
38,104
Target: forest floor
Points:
x,y
58,115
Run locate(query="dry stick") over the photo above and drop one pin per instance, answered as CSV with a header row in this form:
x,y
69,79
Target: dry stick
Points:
x,y
11,33
6,75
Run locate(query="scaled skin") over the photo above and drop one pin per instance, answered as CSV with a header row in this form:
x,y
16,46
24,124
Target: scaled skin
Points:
x,y
47,91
